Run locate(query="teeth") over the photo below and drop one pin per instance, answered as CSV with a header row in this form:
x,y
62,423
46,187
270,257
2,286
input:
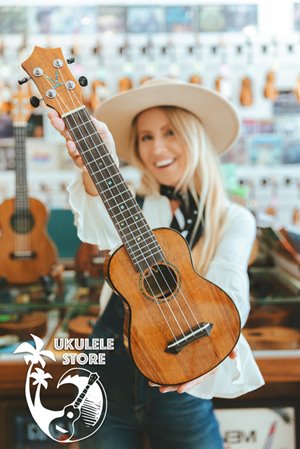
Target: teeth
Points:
x,y
164,162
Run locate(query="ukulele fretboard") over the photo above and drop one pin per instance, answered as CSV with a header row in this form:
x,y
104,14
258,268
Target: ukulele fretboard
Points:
x,y
21,203
134,231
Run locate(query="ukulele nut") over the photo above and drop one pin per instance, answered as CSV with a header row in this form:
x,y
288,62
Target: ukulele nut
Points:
x,y
38,71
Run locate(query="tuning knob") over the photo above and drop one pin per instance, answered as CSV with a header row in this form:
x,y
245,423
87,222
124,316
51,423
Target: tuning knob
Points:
x,y
35,102
71,60
83,81
24,80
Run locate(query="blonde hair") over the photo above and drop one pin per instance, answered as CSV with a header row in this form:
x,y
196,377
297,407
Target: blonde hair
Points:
x,y
202,177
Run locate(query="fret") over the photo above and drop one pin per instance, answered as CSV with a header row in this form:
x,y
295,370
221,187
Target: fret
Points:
x,y
118,194
139,239
104,167
122,205
146,254
114,186
111,176
144,242
93,165
126,222
92,151
75,120
158,251
86,137
95,147
151,252
126,210
80,124
145,225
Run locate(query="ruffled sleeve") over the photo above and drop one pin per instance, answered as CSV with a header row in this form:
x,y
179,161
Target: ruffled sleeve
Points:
x,y
228,269
91,218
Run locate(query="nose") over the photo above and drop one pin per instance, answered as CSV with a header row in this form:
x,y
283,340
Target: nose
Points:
x,y
158,145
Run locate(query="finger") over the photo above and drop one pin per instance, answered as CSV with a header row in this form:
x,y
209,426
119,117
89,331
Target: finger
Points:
x,y
74,154
101,127
105,134
233,354
52,114
58,124
153,384
182,388
168,389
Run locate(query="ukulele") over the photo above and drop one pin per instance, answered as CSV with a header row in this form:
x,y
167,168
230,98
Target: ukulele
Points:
x,y
64,424
270,89
26,251
89,258
246,91
178,325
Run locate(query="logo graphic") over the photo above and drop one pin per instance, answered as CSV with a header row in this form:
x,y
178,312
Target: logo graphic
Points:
x,y
78,419
55,82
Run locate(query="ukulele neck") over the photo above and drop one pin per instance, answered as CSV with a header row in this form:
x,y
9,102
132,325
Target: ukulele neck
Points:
x,y
126,215
21,202
81,396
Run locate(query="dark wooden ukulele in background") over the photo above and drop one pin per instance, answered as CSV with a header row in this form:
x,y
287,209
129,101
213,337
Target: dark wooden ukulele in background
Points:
x,y
26,251
178,325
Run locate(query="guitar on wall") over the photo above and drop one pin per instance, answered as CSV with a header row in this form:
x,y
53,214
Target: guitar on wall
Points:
x,y
178,326
26,251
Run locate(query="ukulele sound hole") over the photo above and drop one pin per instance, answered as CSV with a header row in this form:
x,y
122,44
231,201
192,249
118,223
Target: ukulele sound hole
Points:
x,y
160,282
22,222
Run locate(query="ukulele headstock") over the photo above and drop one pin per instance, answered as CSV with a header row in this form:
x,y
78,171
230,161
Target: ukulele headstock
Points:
x,y
49,70
20,107
93,377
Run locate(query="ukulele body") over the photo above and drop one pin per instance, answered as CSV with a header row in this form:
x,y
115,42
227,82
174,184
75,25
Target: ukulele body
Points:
x,y
146,331
19,236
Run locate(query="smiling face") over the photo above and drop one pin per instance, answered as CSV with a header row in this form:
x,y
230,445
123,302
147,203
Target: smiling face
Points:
x,y
159,148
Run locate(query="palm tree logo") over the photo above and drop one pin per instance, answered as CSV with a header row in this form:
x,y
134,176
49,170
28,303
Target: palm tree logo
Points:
x,y
95,402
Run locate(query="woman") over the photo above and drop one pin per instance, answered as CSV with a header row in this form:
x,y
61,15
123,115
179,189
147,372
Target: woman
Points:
x,y
173,132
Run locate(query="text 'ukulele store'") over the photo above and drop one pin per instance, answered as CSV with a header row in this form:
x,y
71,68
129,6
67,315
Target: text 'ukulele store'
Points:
x,y
84,344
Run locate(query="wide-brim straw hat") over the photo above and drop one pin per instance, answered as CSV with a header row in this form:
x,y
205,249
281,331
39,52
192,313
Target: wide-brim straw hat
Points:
x,y
217,115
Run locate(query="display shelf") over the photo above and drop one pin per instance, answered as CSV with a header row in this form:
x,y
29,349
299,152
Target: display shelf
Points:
x,y
70,292
271,285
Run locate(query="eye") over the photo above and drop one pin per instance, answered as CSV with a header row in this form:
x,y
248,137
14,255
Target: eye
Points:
x,y
145,137
170,132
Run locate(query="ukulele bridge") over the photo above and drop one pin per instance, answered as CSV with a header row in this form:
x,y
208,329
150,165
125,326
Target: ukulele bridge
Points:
x,y
199,331
23,255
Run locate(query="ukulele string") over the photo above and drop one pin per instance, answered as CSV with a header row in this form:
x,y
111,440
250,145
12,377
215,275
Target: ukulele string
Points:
x,y
124,236
166,282
82,152
157,265
17,235
142,254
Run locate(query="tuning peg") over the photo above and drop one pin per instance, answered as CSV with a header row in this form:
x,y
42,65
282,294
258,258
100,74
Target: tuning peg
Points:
x,y
83,81
24,80
35,101
71,60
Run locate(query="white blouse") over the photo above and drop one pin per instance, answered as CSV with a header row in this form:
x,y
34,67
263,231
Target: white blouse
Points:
x,y
228,269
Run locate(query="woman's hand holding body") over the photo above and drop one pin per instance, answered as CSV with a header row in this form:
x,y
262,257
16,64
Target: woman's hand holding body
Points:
x,y
182,388
105,135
